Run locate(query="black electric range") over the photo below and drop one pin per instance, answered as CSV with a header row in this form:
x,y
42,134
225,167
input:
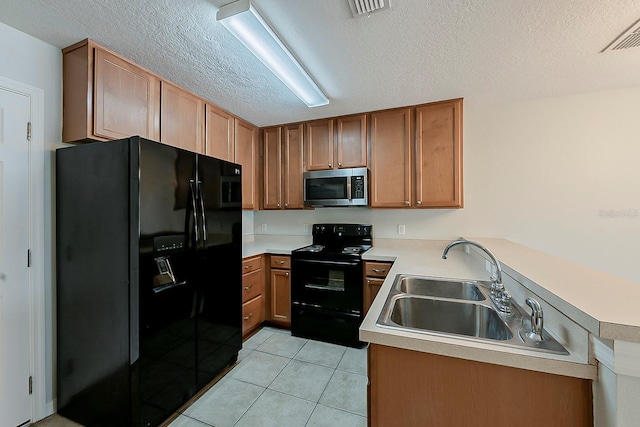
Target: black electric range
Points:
x,y
327,284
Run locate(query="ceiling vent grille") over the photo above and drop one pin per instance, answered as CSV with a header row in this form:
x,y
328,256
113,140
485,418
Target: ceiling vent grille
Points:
x,y
361,8
630,38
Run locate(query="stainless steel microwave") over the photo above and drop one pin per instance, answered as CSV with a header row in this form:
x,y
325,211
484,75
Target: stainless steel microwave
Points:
x,y
341,187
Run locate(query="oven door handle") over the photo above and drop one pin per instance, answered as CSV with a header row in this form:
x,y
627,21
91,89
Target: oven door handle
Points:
x,y
319,261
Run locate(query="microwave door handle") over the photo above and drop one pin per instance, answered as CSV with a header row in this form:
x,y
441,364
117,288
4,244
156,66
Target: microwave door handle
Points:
x,y
195,209
202,213
349,187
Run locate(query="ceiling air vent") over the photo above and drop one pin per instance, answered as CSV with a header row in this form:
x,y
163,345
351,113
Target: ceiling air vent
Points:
x,y
361,8
630,38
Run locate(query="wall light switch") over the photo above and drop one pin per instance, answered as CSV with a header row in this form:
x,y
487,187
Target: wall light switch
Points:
x,y
401,229
264,227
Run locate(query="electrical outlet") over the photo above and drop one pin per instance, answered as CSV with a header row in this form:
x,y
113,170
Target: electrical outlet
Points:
x,y
305,228
264,227
401,228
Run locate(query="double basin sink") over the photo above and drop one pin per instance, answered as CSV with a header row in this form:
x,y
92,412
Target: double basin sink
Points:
x,y
458,308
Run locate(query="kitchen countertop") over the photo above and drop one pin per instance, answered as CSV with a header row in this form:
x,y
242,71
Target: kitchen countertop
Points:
x,y
424,257
272,244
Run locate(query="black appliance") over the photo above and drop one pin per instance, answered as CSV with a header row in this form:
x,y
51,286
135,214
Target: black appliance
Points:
x,y
327,284
149,300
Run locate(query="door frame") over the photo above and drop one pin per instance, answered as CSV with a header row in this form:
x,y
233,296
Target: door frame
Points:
x,y
37,306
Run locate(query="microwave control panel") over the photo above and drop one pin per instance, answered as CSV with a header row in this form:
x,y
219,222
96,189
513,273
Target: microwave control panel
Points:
x,y
357,187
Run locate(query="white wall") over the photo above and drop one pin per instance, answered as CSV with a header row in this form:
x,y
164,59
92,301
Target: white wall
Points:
x,y
537,172
30,61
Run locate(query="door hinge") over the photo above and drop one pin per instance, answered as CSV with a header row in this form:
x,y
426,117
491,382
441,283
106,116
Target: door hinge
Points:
x,y
28,131
28,257
30,385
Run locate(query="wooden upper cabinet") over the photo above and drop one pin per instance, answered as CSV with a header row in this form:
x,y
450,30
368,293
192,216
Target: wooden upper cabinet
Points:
x,y
246,154
319,145
107,97
351,141
293,165
219,133
391,159
181,118
272,167
439,154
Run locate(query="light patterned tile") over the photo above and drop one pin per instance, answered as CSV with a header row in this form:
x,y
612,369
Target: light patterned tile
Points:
x,y
224,404
274,409
324,416
183,421
282,345
259,368
346,391
321,353
302,379
354,360
257,339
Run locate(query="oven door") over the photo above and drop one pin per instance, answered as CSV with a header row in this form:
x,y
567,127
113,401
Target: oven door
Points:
x,y
335,285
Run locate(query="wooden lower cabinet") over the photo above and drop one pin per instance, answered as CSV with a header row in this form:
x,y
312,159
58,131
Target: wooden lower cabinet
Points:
x,y
280,290
409,388
374,275
253,300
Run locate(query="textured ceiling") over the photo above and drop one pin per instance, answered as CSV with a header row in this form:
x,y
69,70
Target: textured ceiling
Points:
x,y
487,51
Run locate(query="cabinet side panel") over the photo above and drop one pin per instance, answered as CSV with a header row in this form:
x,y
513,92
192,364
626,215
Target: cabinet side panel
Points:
x,y
78,94
93,283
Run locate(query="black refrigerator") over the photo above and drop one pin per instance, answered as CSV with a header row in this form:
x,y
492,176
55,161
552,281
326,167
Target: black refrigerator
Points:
x,y
149,301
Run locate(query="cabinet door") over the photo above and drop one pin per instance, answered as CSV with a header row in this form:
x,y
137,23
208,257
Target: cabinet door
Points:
x,y
181,118
219,134
319,145
351,141
293,165
281,296
391,159
246,147
272,168
371,289
439,155
126,99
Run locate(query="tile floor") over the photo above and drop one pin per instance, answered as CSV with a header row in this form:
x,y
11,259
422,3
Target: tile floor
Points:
x,y
281,381
287,382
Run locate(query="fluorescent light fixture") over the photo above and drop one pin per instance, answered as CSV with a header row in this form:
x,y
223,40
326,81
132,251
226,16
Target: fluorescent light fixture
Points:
x,y
244,22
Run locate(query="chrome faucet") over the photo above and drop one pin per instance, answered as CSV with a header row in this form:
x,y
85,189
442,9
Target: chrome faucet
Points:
x,y
499,295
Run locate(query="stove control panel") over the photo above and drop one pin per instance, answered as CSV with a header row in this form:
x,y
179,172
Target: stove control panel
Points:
x,y
342,230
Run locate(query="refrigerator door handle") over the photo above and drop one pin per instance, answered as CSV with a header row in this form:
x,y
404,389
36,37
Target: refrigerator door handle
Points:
x,y
192,187
204,217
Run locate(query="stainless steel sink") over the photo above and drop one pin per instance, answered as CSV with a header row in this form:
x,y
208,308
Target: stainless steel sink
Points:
x,y
450,317
437,287
457,308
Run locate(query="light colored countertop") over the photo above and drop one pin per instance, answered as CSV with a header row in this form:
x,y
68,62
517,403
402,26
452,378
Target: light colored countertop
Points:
x,y
272,244
424,257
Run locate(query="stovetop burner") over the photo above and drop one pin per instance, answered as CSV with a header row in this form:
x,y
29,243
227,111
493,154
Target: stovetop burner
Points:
x,y
355,249
312,248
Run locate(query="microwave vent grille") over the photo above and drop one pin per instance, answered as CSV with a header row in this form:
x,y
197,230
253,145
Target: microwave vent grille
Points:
x,y
629,38
360,8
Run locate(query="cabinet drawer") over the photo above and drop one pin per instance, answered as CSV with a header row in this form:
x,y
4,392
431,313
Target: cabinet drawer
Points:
x,y
376,269
252,284
252,313
283,262
251,264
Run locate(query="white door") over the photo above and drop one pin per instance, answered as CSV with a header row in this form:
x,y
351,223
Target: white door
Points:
x,y
15,356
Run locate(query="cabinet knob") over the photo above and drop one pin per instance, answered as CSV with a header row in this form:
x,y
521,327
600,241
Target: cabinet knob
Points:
x,y
246,288
406,202
330,165
278,205
246,267
419,202
286,274
368,282
339,164
286,205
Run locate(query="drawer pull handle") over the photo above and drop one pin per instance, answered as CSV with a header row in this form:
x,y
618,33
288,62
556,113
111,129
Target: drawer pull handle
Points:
x,y
368,282
246,267
379,270
246,288
248,317
281,262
